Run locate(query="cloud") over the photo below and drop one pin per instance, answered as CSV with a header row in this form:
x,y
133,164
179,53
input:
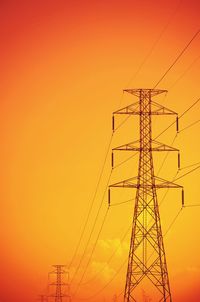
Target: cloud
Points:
x,y
193,269
105,271
112,245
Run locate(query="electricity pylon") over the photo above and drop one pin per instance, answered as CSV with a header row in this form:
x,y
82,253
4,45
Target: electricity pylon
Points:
x,y
61,288
147,260
43,298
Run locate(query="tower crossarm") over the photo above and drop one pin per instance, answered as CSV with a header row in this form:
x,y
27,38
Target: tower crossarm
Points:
x,y
156,109
133,183
60,283
135,146
60,296
144,91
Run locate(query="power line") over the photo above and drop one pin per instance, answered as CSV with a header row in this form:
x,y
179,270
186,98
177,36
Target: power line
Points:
x,y
166,74
165,158
90,236
130,227
155,43
168,229
123,122
190,107
170,125
145,136
91,254
91,207
108,283
111,257
124,161
123,264
122,202
92,203
187,173
189,166
176,217
192,205
177,58
192,124
183,74
173,221
92,230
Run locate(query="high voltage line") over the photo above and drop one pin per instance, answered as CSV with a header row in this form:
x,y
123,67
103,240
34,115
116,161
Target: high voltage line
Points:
x,y
187,173
165,158
92,203
87,219
126,233
111,257
163,131
183,74
190,125
91,254
156,42
171,224
92,230
83,255
187,110
90,209
125,261
168,229
103,167
153,46
170,125
189,166
177,58
184,112
174,179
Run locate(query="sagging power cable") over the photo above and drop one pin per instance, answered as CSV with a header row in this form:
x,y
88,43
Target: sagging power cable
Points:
x,y
177,58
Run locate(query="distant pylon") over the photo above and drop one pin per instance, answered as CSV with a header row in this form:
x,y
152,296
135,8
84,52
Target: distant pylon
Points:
x,y
145,297
42,298
147,260
61,290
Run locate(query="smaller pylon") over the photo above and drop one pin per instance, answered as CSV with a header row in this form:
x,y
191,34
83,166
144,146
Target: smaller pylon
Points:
x,y
42,298
60,284
145,297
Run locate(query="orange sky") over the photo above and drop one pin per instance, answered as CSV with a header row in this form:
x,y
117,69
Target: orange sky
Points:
x,y
63,67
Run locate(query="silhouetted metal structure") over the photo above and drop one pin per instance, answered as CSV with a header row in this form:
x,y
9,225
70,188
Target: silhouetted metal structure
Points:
x,y
61,290
42,298
147,260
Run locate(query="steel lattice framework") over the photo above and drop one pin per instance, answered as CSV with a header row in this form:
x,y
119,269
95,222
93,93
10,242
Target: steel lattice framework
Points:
x,y
60,295
42,298
147,258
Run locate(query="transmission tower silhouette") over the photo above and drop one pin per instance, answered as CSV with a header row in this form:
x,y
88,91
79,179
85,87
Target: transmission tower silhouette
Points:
x,y
42,298
61,289
147,261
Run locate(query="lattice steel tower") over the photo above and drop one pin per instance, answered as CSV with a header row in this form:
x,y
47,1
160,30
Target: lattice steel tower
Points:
x,y
61,288
42,298
147,261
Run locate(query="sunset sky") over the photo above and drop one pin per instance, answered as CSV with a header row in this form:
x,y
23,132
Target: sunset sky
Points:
x,y
64,65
